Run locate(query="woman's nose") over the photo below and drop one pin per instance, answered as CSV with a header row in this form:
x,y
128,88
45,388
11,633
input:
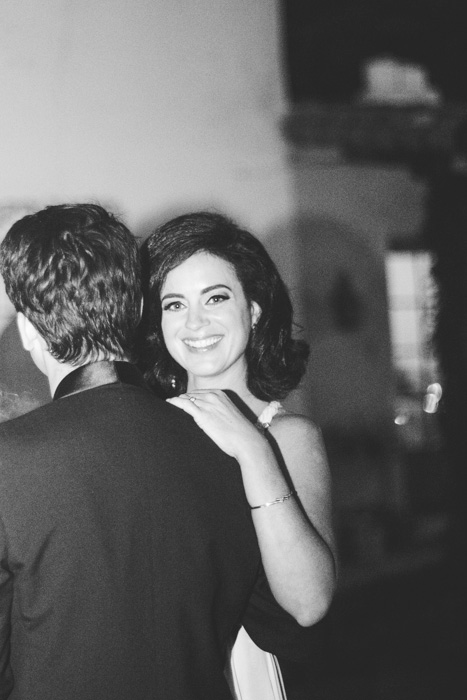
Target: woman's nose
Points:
x,y
196,318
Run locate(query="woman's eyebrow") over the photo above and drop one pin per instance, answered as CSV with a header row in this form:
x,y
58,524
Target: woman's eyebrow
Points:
x,y
215,286
211,288
172,295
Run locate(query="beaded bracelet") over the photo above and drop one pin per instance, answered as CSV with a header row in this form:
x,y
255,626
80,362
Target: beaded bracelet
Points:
x,y
275,501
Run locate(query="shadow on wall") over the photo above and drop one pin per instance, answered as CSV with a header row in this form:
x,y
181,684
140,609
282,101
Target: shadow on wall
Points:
x,y
337,282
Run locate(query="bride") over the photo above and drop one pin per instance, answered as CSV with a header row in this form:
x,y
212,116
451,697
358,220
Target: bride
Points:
x,y
219,346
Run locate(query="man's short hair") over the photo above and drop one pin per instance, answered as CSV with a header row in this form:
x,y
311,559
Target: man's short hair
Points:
x,y
73,270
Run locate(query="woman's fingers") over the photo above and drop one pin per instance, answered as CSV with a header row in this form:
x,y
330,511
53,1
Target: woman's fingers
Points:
x,y
219,418
184,402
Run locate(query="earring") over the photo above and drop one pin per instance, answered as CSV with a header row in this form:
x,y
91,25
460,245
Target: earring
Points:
x,y
173,382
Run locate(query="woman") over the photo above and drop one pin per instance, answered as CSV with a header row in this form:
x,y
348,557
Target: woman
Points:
x,y
219,346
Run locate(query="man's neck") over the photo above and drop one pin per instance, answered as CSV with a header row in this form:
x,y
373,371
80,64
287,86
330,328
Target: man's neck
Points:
x,y
57,371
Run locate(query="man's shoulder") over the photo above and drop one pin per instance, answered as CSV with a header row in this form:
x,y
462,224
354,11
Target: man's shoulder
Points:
x,y
112,415
29,417
19,435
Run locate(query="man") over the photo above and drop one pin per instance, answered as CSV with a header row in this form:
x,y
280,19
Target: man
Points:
x,y
127,553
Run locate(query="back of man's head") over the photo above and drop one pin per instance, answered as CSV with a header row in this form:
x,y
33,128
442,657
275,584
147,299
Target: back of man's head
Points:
x,y
73,270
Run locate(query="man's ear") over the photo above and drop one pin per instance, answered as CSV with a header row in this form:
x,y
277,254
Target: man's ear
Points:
x,y
255,311
28,334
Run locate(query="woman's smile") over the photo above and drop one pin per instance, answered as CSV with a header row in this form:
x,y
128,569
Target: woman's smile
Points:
x,y
202,344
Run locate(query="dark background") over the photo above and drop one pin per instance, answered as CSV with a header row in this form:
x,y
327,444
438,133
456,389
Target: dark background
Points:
x,y
400,636
328,40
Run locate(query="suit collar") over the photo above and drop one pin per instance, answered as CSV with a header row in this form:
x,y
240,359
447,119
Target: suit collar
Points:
x,y
96,374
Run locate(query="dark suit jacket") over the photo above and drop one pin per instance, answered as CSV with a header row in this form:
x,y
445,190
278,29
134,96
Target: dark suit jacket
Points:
x,y
127,552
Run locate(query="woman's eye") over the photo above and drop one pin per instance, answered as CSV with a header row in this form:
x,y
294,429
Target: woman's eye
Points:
x,y
217,298
172,306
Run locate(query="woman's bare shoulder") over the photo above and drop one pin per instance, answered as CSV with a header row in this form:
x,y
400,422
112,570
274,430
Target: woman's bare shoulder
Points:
x,y
295,424
300,440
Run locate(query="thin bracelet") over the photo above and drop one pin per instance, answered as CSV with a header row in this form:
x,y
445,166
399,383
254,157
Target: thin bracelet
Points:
x,y
275,501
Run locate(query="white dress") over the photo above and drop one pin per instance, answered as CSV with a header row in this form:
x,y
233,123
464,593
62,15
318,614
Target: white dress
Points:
x,y
255,674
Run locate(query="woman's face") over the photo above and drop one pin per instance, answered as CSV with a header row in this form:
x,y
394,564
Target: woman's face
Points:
x,y
206,321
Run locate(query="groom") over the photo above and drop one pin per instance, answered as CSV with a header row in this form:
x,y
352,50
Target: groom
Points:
x,y
127,553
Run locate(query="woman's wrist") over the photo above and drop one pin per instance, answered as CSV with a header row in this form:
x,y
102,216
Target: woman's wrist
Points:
x,y
254,452
277,501
263,479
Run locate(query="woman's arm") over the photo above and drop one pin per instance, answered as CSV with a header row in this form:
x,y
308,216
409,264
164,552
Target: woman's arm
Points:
x,y
295,536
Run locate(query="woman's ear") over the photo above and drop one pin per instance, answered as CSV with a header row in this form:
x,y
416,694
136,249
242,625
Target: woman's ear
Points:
x,y
255,312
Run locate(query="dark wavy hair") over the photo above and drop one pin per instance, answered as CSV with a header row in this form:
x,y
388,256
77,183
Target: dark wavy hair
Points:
x,y
74,271
276,361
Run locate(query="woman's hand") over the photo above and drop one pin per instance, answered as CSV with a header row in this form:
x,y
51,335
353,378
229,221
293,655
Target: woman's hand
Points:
x,y
222,421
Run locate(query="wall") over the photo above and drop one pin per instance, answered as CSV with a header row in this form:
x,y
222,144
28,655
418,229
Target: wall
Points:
x,y
149,107
146,105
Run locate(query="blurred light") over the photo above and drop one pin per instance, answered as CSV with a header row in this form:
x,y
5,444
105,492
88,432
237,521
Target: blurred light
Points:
x,y
432,398
401,419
